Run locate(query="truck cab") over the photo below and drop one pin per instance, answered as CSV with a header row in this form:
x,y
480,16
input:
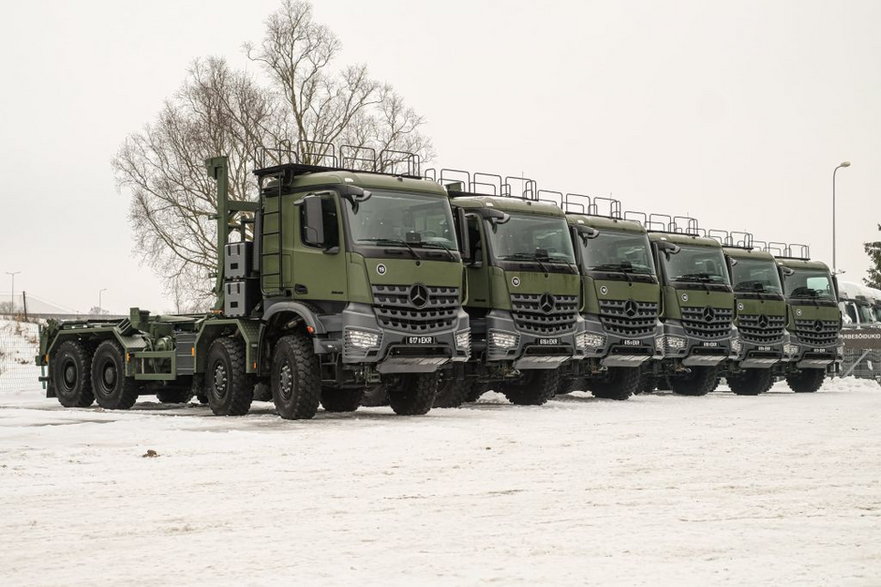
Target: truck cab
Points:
x,y
813,322
757,348
697,310
521,292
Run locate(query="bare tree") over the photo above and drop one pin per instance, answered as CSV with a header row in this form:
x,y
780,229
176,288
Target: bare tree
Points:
x,y
221,111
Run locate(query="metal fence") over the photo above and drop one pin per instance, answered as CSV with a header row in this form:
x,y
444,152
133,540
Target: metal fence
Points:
x,y
19,344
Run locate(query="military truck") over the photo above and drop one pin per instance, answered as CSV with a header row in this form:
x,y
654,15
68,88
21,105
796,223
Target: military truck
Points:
x,y
760,319
521,288
813,321
620,298
697,305
335,280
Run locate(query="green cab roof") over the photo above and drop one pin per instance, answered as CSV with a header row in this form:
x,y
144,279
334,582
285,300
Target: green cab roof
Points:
x,y
802,264
741,253
604,222
374,181
684,239
506,204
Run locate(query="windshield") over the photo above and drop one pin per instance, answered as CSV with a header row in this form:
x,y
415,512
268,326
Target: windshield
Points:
x,y
696,264
808,284
866,314
755,275
617,250
524,238
401,219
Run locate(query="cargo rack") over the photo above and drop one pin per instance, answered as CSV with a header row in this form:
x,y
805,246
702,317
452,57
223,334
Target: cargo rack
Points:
x,y
317,156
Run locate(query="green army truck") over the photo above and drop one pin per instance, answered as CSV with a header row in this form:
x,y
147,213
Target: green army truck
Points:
x,y
338,280
620,299
760,318
813,319
697,306
521,288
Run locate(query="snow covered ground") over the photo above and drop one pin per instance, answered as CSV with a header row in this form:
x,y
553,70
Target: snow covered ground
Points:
x,y
661,489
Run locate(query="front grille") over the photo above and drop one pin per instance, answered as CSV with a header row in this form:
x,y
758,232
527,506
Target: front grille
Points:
x,y
760,328
817,332
628,318
534,314
707,322
396,310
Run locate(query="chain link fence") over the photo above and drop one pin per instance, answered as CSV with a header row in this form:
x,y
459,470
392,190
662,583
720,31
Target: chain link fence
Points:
x,y
19,344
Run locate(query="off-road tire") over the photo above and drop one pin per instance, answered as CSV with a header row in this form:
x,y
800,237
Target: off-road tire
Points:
x,y
620,384
476,390
453,388
198,388
806,380
374,396
70,370
750,381
569,384
227,386
262,392
296,378
700,381
647,383
174,395
112,389
413,394
534,388
341,400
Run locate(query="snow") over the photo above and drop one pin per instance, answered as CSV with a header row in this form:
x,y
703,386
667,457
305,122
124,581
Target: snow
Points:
x,y
782,487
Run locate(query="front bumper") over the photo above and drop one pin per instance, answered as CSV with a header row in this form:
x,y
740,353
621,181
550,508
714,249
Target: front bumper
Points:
x,y
527,350
806,356
751,355
614,350
360,340
691,351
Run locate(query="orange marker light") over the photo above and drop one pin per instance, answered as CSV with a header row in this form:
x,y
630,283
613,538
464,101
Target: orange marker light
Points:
x,y
193,352
310,330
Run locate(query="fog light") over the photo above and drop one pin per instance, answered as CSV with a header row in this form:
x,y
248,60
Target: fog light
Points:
x,y
463,340
362,339
502,340
790,349
589,340
676,343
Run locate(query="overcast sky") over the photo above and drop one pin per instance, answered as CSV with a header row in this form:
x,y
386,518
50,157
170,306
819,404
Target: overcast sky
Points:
x,y
733,112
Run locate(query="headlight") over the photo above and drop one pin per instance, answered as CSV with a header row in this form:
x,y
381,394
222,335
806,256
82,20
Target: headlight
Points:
x,y
589,340
790,349
362,339
676,343
502,340
463,340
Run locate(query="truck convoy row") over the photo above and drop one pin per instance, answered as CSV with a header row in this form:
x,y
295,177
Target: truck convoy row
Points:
x,y
343,281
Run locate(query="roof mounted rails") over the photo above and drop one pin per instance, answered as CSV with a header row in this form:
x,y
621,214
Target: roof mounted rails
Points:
x,y
740,240
315,156
665,223
789,251
485,184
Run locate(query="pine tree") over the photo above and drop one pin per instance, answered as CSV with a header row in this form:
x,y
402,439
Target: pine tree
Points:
x,y
873,249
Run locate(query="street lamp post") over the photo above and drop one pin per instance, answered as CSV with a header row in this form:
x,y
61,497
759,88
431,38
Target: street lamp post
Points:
x,y
100,291
12,274
840,165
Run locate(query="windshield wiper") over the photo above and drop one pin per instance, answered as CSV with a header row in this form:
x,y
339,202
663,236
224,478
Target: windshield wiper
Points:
x,y
616,267
447,249
696,278
756,286
391,241
525,257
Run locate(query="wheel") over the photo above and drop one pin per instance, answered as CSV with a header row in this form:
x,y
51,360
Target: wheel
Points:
x,y
750,381
113,390
698,382
174,395
647,383
69,370
534,388
620,383
475,391
262,392
341,400
806,380
228,388
453,388
568,385
198,388
296,378
413,394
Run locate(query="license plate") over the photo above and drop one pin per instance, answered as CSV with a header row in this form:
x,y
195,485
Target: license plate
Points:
x,y
711,344
819,350
549,341
420,340
632,342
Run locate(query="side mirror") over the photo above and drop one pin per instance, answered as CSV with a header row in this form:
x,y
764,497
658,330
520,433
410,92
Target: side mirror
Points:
x,y
313,227
668,248
786,271
462,235
586,232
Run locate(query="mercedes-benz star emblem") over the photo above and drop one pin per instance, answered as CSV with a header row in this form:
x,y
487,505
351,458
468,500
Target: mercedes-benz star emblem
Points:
x,y
419,295
763,321
818,326
630,308
547,303
709,314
